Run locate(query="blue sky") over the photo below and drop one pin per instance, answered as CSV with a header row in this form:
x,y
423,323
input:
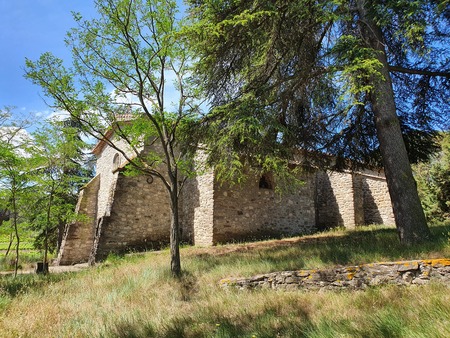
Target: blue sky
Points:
x,y
29,28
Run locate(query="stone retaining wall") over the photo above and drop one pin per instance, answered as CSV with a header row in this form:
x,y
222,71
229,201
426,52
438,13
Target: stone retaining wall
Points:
x,y
353,277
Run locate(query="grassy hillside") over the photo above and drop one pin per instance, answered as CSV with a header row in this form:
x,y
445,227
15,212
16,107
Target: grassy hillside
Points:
x,y
28,255
134,296
7,233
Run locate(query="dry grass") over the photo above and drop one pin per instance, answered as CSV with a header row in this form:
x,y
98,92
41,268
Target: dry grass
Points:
x,y
135,296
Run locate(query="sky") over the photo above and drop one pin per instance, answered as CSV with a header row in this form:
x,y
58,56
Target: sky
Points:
x,y
29,28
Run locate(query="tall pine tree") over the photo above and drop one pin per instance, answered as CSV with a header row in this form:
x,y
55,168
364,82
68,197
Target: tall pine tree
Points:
x,y
355,79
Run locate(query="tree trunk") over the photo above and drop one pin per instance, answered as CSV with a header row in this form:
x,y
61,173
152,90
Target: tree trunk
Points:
x,y
16,231
11,240
409,216
175,264
47,226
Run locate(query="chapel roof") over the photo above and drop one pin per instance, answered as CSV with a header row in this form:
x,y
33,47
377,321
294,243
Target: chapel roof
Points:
x,y
98,148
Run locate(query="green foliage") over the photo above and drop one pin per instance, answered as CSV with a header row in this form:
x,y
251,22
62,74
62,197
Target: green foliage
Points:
x,y
321,74
240,140
41,176
27,235
310,66
407,20
56,174
359,66
433,180
14,179
118,91
121,61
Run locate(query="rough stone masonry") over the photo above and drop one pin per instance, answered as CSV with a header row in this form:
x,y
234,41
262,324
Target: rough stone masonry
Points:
x,y
122,213
416,272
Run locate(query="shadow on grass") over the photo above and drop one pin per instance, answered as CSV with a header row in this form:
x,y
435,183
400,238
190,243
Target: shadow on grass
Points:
x,y
369,246
187,286
293,318
266,324
126,329
352,247
217,326
287,318
11,286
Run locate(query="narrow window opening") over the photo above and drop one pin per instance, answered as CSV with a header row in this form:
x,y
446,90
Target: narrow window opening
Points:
x,y
265,182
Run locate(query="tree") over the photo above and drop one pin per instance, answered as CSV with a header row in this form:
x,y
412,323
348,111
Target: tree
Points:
x,y
56,173
433,180
408,212
345,78
13,178
122,61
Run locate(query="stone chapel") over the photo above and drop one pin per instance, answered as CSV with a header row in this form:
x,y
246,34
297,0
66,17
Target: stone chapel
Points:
x,y
123,213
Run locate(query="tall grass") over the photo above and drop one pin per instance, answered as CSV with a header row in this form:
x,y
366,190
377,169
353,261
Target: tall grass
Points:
x,y
28,255
27,259
135,296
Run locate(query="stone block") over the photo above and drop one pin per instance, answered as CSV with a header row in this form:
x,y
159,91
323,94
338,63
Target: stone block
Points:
x,y
408,266
325,279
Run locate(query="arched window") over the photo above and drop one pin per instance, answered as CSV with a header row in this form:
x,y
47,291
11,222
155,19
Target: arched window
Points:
x,y
116,162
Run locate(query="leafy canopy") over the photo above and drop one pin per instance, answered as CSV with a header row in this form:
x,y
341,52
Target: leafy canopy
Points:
x,y
303,70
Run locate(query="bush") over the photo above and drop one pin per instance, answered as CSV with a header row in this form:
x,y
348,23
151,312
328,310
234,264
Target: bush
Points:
x,y
433,182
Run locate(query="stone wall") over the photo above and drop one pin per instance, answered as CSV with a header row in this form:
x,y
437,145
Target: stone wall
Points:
x,y
249,212
351,199
415,272
188,203
358,198
335,202
105,167
198,209
130,213
377,202
139,217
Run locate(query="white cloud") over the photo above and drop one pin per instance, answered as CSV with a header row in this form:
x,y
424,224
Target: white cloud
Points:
x,y
59,115
18,138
